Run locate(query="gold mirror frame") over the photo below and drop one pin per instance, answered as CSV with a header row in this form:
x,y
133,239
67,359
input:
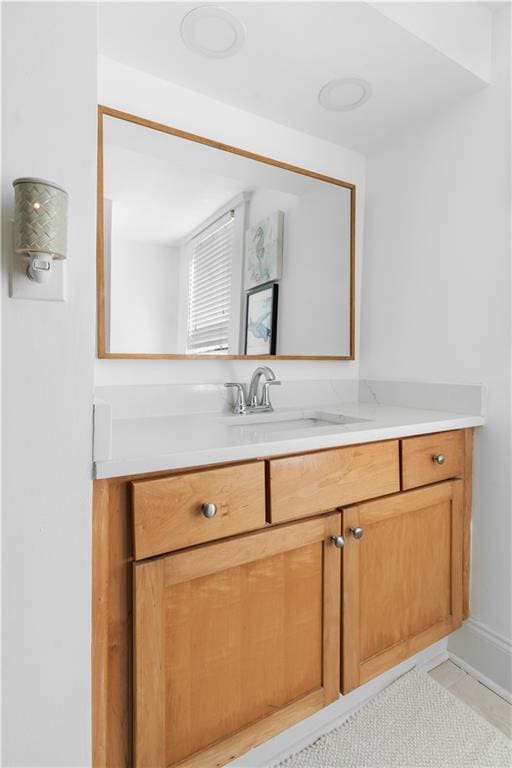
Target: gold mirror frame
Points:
x,y
100,264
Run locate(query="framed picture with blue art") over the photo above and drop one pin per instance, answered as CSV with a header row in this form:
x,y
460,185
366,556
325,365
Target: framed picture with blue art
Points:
x,y
264,251
261,320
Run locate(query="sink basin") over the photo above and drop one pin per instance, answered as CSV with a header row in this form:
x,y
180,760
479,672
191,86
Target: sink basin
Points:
x,y
258,426
279,426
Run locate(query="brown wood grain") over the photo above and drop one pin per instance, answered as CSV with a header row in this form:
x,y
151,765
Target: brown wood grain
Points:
x,y
162,128
257,733
226,649
212,558
402,593
317,482
418,468
457,544
350,666
112,626
332,617
396,654
167,512
161,356
100,248
149,665
100,624
279,558
352,354
406,577
400,504
100,255
468,502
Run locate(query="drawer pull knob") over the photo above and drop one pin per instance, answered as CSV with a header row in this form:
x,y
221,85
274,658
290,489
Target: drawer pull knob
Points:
x,y
439,458
209,510
338,541
357,533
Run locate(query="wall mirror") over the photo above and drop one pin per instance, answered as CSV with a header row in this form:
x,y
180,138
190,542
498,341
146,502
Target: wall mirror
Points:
x,y
206,250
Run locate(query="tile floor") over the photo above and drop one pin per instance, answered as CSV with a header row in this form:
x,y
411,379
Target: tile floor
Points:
x,y
484,701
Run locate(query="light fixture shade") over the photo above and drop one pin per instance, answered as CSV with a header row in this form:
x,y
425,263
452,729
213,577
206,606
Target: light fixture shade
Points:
x,y
212,31
40,217
345,94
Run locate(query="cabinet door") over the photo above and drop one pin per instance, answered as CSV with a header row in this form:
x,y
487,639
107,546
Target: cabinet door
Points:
x,y
402,579
234,641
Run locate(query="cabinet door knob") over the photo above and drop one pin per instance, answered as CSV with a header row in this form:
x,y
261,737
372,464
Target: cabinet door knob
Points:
x,y
209,509
338,541
357,532
439,458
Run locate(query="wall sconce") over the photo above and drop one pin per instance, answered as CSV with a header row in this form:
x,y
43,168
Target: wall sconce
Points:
x,y
40,224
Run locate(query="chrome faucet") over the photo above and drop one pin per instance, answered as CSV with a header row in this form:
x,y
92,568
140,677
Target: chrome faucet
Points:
x,y
250,403
269,375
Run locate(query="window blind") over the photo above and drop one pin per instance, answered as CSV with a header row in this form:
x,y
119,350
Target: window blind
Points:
x,y
210,289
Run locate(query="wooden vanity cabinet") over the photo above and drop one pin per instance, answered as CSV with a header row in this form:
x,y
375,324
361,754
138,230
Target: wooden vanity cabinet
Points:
x,y
431,458
402,571
315,482
236,637
168,511
212,633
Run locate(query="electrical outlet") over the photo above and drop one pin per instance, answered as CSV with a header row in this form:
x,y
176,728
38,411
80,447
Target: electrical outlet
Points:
x,y
22,287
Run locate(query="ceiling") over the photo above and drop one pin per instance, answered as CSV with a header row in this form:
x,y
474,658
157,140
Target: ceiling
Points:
x,y
291,50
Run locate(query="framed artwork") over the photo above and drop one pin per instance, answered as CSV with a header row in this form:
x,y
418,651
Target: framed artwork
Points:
x,y
261,320
264,251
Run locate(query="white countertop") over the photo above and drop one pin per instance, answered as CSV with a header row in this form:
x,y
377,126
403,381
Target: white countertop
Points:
x,y
153,444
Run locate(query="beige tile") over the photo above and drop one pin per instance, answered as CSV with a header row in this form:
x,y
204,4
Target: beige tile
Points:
x,y
447,673
484,701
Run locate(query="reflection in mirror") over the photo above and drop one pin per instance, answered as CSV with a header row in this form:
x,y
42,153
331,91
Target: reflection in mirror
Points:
x,y
208,251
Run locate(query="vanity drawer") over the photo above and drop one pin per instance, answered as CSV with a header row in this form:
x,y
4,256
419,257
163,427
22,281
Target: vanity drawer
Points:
x,y
168,512
430,458
316,482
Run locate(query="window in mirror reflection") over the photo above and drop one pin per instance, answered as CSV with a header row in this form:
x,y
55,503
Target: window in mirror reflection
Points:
x,y
209,290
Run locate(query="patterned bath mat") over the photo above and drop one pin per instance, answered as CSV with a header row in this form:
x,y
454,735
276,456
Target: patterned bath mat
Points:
x,y
414,723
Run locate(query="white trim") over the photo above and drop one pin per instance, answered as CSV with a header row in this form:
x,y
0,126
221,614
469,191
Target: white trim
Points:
x,y
214,225
485,654
489,635
432,661
236,201
305,732
481,678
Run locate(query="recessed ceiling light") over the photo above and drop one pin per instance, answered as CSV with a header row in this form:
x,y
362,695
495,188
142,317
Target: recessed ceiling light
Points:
x,y
344,94
212,32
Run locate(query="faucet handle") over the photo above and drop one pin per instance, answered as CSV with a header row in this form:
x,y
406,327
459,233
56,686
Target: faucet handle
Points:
x,y
239,405
265,398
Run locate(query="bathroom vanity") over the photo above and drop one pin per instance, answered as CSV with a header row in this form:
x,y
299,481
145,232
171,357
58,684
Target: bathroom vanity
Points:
x,y
248,568
233,599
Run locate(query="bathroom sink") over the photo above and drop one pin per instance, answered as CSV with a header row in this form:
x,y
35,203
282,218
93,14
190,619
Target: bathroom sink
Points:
x,y
260,425
279,426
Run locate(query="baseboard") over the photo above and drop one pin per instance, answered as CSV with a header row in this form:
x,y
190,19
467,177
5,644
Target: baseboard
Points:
x,y
302,734
480,677
485,655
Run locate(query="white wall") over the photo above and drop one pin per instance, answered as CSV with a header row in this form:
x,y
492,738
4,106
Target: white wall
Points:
x,y
460,30
314,292
437,297
49,110
141,94
143,297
